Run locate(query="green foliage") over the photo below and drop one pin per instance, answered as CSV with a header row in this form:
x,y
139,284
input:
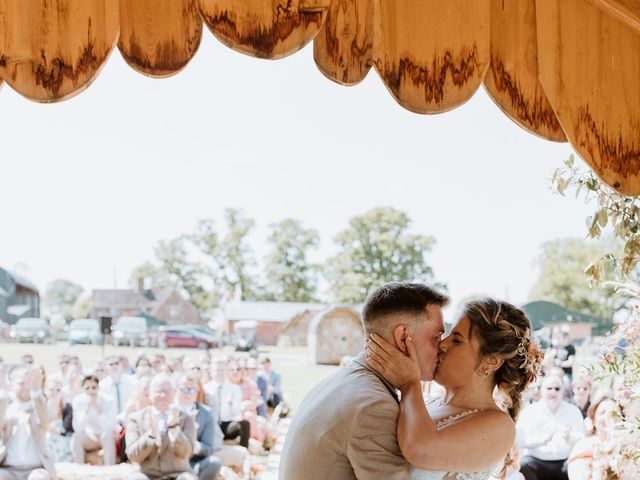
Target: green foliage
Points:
x,y
374,249
618,212
60,296
290,277
562,279
235,257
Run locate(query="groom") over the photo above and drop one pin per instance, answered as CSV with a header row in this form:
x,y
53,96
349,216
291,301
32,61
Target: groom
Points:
x,y
345,428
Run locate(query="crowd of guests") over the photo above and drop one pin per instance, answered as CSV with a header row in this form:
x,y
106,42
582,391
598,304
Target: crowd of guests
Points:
x,y
566,420
168,415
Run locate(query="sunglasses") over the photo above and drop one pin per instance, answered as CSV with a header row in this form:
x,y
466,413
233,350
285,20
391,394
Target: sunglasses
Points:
x,y
90,387
195,367
64,362
190,390
557,389
114,364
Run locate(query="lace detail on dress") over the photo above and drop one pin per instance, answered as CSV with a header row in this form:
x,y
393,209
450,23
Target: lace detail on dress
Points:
x,y
452,418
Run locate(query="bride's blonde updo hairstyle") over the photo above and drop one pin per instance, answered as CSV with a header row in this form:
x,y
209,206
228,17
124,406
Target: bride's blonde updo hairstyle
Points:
x,y
504,331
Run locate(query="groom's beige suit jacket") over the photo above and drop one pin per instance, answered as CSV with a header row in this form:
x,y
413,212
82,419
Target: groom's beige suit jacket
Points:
x,y
345,429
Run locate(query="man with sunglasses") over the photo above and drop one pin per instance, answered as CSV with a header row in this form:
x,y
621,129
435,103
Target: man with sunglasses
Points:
x,y
94,420
548,428
208,433
118,384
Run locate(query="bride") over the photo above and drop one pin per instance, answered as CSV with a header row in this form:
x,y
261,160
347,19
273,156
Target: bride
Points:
x,y
466,434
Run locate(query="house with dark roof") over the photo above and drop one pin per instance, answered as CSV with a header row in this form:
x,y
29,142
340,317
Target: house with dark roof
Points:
x,y
166,305
19,297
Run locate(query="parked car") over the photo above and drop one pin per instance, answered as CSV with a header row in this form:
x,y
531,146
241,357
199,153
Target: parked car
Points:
x,y
132,331
35,330
244,333
206,331
181,336
85,330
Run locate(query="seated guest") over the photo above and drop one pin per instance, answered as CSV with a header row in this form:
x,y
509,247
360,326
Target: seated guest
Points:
x,y
204,463
600,419
143,367
548,429
161,438
140,398
117,383
274,381
73,386
251,399
194,369
60,421
4,384
581,388
251,373
23,425
94,420
229,403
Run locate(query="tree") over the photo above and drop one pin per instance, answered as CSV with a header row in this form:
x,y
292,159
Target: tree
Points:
x,y
235,258
60,296
376,248
613,210
289,274
82,307
563,281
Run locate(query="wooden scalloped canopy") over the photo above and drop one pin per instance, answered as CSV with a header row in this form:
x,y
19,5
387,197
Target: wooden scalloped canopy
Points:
x,y
563,70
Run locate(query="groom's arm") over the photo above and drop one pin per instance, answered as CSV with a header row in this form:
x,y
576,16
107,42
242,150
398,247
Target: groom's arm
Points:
x,y
373,444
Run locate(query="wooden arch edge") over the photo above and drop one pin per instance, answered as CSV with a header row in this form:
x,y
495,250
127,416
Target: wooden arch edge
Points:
x,y
158,38
45,56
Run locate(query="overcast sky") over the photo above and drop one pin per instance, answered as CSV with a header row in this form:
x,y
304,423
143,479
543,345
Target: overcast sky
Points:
x,y
91,184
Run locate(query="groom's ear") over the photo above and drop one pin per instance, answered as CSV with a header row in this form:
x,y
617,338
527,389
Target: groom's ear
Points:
x,y
400,334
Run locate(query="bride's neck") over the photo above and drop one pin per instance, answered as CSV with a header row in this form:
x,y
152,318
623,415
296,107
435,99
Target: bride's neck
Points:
x,y
470,397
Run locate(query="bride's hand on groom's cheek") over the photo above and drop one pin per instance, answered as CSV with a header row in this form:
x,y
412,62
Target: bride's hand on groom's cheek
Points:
x,y
399,369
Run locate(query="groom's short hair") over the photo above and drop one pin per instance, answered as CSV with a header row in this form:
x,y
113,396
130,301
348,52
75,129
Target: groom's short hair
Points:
x,y
396,298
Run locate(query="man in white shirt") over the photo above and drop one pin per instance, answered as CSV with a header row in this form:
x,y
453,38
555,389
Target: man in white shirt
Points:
x,y
228,402
548,429
23,424
117,384
94,420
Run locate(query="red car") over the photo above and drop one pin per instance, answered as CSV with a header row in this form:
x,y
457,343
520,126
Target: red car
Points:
x,y
170,337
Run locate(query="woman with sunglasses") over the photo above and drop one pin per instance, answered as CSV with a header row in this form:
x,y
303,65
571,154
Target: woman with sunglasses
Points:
x,y
94,421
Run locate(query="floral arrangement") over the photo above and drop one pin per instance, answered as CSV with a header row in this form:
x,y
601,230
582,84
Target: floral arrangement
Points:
x,y
619,457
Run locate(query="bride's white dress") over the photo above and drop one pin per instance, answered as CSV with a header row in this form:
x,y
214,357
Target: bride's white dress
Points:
x,y
418,474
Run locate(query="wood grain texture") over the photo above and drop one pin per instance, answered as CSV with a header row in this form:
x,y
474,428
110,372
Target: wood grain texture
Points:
x,y
264,28
343,50
159,37
627,11
433,54
589,65
53,49
512,79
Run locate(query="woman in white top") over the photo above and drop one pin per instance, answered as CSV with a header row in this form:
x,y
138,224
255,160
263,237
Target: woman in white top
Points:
x,y
463,435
